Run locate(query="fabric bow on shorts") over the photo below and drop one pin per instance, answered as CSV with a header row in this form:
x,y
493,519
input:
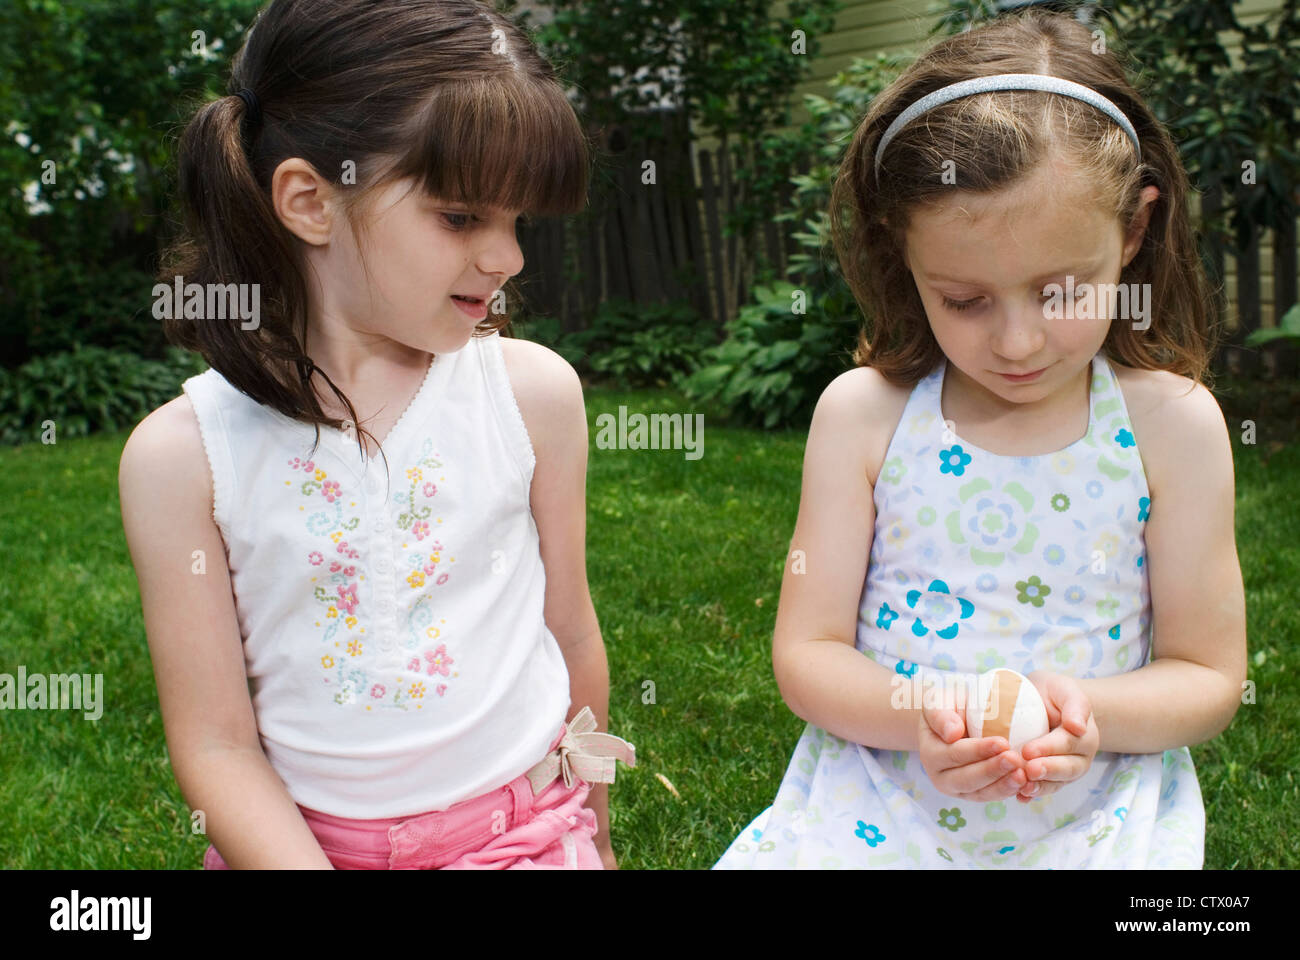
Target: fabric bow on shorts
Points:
x,y
583,754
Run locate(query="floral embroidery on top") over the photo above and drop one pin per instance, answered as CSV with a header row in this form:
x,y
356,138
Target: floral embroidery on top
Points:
x,y
426,570
352,663
327,519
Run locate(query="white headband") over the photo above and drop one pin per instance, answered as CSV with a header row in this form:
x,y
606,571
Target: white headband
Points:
x,y
1005,81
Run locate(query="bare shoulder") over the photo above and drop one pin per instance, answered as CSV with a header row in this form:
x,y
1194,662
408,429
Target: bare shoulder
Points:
x,y
1161,403
861,409
546,388
165,450
1177,423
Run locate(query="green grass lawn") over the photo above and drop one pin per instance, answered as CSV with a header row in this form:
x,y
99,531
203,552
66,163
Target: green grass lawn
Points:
x,y
685,561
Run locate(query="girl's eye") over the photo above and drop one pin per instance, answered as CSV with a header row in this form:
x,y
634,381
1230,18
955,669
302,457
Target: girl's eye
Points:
x,y
967,304
458,221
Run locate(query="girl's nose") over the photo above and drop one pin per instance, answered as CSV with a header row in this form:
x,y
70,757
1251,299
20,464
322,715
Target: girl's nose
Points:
x,y
501,253
1020,333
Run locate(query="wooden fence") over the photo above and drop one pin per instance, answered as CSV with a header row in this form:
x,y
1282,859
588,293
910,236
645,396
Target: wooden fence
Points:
x,y
1247,293
652,242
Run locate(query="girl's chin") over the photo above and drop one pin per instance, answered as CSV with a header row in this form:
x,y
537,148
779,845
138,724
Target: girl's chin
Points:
x,y
450,340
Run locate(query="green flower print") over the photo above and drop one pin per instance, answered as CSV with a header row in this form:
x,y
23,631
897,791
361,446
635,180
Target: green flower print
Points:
x,y
992,521
1094,838
1032,591
892,470
1060,503
951,819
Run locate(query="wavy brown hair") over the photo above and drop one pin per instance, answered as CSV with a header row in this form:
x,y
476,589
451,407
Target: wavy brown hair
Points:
x,y
1001,137
448,92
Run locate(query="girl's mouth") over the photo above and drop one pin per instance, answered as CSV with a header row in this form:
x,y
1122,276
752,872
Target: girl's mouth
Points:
x,y
471,306
1023,378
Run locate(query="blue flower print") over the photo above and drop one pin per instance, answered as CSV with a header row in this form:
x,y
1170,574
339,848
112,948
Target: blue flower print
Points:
x,y
1094,488
1169,790
1144,508
1054,554
1124,438
875,837
885,617
986,582
905,667
954,460
938,608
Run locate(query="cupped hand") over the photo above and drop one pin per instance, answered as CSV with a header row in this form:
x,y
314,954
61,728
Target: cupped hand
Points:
x,y
978,769
1066,751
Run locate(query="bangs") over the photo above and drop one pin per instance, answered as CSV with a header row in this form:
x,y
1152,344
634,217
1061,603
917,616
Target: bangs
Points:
x,y
503,140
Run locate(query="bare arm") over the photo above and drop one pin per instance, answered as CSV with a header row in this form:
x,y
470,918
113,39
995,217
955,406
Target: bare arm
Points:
x,y
550,400
198,659
1192,688
822,676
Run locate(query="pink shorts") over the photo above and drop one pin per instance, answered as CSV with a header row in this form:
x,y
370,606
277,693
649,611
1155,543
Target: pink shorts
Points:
x,y
506,829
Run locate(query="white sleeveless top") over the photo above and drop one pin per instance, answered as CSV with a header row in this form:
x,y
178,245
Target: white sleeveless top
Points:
x,y
392,624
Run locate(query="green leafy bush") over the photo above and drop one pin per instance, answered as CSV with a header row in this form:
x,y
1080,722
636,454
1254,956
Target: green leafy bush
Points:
x,y
631,345
547,331
1287,329
775,362
88,389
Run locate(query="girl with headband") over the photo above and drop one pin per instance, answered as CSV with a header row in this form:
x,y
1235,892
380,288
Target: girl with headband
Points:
x,y
1010,479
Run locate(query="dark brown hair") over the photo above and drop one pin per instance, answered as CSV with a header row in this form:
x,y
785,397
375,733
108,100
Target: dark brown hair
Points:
x,y
1001,137
448,92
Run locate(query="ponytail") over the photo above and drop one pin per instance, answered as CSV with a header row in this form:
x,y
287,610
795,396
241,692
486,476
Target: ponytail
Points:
x,y
236,237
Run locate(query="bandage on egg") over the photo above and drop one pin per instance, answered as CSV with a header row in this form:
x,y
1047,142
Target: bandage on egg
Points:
x,y
1005,704
1000,705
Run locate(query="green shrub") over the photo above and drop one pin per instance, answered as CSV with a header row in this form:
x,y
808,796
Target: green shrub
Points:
x,y
88,389
630,345
775,363
109,307
1287,329
546,330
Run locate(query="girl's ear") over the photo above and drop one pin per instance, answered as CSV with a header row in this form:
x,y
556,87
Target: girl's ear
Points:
x,y
1136,232
304,201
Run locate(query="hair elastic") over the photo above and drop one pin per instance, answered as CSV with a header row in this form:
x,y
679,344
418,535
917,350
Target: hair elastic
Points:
x,y
1006,81
253,109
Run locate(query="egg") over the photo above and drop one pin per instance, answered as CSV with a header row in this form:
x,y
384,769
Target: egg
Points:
x,y
1005,704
